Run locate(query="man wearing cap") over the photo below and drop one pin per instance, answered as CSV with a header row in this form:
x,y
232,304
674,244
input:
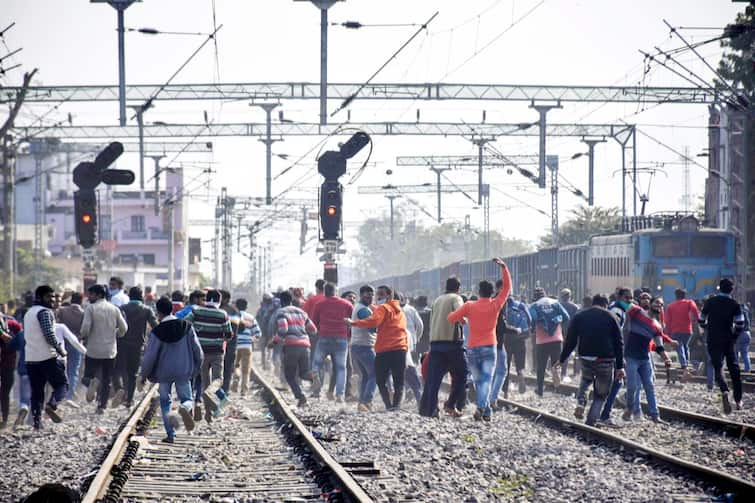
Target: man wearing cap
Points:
x,y
723,317
571,308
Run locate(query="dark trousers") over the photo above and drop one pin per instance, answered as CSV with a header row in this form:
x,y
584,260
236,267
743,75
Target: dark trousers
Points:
x,y
295,367
102,368
543,353
7,376
516,351
600,376
444,357
229,363
391,363
719,353
52,371
126,370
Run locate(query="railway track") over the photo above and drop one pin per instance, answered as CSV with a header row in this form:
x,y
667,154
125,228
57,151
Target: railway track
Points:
x,y
737,489
260,451
734,429
748,378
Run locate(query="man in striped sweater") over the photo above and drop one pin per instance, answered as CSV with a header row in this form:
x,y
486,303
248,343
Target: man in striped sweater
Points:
x,y
213,329
293,331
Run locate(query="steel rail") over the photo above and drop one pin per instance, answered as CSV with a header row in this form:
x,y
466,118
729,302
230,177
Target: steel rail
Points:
x,y
99,485
733,429
349,486
743,489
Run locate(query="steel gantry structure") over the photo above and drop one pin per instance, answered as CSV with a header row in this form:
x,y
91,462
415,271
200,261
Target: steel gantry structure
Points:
x,y
375,91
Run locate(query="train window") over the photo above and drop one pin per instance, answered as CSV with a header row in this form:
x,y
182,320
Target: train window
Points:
x,y
708,246
669,246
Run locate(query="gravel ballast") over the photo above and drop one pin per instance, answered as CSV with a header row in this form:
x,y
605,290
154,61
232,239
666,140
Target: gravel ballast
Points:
x,y
63,453
510,459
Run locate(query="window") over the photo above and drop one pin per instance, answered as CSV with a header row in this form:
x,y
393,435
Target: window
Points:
x,y
708,246
670,246
148,259
137,223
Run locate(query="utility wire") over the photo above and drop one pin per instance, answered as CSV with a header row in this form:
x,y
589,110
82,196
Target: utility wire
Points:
x,y
351,98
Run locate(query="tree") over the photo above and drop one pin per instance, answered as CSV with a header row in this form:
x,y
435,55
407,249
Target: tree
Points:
x,y
25,275
586,221
738,63
416,247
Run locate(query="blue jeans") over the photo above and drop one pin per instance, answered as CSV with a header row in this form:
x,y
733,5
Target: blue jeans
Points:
x,y
615,387
742,348
482,362
501,370
72,369
183,390
363,358
24,392
709,377
683,350
337,348
640,373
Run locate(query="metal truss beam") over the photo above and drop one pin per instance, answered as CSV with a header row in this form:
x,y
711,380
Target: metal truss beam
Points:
x,y
310,129
375,91
464,160
55,146
425,188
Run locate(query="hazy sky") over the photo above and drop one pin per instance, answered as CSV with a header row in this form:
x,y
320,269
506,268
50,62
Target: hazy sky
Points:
x,y
589,42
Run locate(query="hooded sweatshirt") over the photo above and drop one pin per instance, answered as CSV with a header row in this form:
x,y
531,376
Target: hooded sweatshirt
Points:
x,y
390,321
173,353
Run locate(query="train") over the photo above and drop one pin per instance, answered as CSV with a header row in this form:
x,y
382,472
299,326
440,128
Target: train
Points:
x,y
661,252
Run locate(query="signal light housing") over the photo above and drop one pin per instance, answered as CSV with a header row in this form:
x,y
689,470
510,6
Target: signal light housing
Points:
x,y
85,209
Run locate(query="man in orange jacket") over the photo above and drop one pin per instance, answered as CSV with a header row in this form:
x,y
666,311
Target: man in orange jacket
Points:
x,y
482,316
391,344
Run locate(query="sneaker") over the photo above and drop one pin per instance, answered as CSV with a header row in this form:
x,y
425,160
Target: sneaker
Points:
x,y
726,402
209,403
118,398
638,418
37,423
187,418
197,412
128,404
339,399
738,405
657,420
92,389
579,412
362,407
607,423
302,402
566,379
168,440
20,418
627,415
100,411
453,412
330,395
478,415
53,413
486,418
71,404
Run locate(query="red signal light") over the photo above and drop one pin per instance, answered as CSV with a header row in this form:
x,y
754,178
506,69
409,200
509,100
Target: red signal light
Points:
x,y
331,211
86,218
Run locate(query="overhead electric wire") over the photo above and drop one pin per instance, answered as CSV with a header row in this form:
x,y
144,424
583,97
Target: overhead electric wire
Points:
x,y
659,142
354,95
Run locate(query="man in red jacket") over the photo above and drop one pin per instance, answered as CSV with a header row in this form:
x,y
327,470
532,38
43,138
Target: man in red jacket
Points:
x,y
679,316
332,340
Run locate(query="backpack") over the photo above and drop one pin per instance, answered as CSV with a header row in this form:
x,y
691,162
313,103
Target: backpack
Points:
x,y
550,316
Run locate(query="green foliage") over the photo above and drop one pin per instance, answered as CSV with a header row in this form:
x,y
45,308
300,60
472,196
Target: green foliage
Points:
x,y
416,247
738,63
25,277
585,221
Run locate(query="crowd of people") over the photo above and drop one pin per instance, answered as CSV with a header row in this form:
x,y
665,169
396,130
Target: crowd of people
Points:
x,y
200,349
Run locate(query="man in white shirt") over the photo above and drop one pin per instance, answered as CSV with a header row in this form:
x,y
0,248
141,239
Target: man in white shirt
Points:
x,y
117,296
